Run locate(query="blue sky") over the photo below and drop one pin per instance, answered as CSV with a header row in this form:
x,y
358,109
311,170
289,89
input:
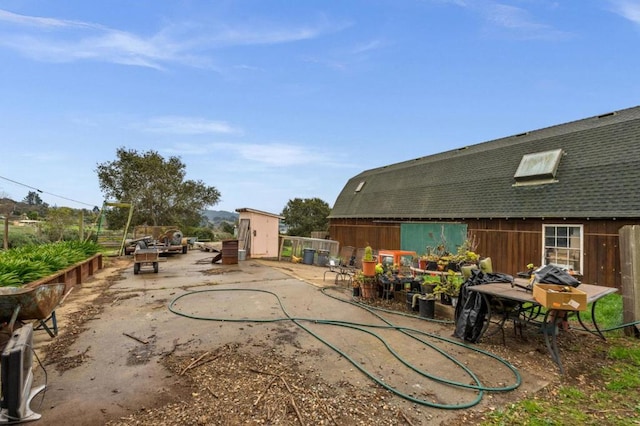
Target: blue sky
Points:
x,y
272,100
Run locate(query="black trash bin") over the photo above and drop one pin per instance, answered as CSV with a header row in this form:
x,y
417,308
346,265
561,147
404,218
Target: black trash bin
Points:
x,y
427,307
323,257
308,255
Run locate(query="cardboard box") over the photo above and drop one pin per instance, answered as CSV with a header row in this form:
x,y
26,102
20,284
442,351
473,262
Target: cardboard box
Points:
x,y
553,296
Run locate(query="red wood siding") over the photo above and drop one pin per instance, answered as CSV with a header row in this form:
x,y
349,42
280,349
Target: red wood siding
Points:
x,y
511,243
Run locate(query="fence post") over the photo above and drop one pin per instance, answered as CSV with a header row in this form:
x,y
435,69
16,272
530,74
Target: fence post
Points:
x,y
5,243
629,236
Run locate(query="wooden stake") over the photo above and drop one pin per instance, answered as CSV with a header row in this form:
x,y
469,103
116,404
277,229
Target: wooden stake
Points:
x,y
193,363
135,338
265,391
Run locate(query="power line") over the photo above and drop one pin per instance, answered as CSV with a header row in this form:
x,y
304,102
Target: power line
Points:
x,y
45,192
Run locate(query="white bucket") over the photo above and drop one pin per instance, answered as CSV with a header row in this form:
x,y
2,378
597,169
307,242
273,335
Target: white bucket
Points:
x,y
242,254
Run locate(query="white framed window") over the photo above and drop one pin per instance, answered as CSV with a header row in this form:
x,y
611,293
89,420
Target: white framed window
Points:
x,y
563,246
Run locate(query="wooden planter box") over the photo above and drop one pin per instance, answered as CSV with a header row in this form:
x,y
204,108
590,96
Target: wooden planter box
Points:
x,y
72,275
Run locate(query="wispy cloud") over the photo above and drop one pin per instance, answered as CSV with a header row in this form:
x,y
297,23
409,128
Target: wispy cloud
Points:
x,y
181,125
255,155
266,35
275,154
346,57
39,22
520,23
628,9
510,21
60,40
369,46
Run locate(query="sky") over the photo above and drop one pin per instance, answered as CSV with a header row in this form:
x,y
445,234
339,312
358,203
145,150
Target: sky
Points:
x,y
271,100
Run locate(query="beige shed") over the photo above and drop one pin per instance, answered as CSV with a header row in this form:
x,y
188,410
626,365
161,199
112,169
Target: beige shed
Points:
x,y
258,233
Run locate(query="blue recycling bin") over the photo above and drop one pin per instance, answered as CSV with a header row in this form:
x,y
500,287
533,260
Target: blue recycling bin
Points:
x,y
308,255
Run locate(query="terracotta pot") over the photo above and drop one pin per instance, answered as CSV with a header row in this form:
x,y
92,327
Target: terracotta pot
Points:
x,y
369,268
367,290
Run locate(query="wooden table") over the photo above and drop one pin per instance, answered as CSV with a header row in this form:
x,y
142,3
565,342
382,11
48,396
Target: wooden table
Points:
x,y
526,308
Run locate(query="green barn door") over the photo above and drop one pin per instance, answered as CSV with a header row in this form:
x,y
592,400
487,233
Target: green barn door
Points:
x,y
419,236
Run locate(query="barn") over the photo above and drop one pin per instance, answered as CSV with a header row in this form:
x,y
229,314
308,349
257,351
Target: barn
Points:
x,y
554,195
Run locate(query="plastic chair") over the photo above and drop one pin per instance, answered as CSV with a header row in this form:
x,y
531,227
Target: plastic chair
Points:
x,y
485,265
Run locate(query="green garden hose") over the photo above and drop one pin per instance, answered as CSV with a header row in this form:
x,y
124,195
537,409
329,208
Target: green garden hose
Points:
x,y
415,334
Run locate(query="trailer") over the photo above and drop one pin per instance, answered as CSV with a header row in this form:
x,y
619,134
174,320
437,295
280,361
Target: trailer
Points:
x,y
146,257
169,240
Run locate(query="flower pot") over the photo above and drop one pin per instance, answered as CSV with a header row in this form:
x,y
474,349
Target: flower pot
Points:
x,y
427,307
428,288
368,289
369,268
432,265
411,307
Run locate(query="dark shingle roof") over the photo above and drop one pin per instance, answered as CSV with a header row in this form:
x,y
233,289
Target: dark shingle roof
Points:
x,y
598,177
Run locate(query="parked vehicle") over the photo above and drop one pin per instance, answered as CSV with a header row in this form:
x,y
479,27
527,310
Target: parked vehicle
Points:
x,y
164,238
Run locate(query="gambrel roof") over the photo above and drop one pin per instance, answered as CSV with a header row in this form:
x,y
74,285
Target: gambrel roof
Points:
x,y
598,176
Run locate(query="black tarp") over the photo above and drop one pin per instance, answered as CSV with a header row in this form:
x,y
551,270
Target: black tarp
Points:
x,y
551,274
471,309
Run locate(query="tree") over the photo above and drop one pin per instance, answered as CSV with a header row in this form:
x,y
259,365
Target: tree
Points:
x,y
33,199
59,219
227,227
155,187
304,216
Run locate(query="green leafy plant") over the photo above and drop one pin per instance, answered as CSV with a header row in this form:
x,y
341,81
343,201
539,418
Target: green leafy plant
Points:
x,y
368,254
449,284
358,278
379,269
29,263
431,279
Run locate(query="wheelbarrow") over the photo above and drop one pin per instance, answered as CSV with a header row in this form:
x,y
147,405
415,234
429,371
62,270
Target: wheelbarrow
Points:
x,y
146,257
31,303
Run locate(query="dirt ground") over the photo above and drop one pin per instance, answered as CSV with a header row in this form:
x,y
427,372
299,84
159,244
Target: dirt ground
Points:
x,y
122,357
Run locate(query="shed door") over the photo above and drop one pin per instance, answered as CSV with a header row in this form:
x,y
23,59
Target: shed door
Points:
x,y
419,236
244,237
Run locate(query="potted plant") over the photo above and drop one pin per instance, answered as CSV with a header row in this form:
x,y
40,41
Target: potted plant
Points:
x,y
379,269
449,288
426,305
355,284
429,282
367,285
368,263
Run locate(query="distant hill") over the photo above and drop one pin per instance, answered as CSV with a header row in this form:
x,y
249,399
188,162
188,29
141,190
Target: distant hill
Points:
x,y
218,216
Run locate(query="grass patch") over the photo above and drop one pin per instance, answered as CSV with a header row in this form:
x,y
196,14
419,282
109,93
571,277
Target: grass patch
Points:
x,y
608,312
610,396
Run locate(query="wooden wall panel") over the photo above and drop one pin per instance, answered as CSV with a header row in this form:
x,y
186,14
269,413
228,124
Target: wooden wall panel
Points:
x,y
511,243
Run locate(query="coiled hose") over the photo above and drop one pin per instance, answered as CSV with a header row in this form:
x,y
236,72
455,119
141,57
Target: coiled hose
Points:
x,y
413,333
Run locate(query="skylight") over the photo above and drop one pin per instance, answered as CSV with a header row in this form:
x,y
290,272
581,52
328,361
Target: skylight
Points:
x,y
360,185
538,168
